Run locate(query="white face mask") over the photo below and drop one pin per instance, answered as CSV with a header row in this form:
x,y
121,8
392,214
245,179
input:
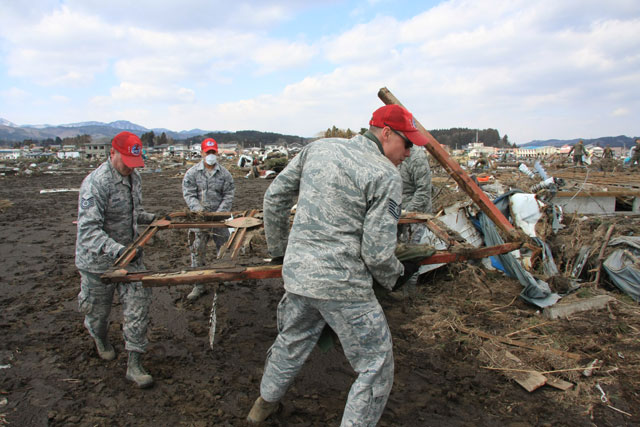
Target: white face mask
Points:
x,y
211,159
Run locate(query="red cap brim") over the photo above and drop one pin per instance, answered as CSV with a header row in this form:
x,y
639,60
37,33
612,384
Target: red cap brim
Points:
x,y
132,161
207,149
416,137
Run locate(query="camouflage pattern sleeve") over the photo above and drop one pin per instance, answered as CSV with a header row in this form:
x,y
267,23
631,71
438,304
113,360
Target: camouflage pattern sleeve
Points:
x,y
228,191
143,217
416,182
278,201
190,190
91,212
379,234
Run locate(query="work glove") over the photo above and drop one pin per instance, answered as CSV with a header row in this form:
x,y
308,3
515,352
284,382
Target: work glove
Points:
x,y
277,260
135,257
160,216
145,221
138,254
410,268
121,251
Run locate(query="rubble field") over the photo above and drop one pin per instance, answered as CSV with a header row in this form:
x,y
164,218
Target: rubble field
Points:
x,y
463,340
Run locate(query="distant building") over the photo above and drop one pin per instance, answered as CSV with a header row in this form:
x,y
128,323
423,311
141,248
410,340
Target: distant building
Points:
x,y
68,154
478,149
10,153
531,152
96,150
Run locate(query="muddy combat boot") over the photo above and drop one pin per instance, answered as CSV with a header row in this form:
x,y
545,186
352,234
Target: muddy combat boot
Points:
x,y
105,349
261,410
136,373
196,292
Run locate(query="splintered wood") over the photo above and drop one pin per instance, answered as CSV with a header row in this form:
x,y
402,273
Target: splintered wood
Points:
x,y
513,368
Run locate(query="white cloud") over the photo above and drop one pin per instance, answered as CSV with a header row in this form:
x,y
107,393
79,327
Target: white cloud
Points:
x,y
279,55
201,15
60,99
621,111
14,94
525,67
143,93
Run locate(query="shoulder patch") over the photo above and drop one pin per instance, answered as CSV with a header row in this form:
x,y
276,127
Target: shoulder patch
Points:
x,y
87,203
394,209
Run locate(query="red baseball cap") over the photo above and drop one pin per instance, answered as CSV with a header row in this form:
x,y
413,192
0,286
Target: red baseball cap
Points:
x,y
130,148
209,144
398,119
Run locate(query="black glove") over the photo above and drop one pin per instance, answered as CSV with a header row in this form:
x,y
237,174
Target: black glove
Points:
x,y
277,260
138,254
135,257
121,251
146,221
410,268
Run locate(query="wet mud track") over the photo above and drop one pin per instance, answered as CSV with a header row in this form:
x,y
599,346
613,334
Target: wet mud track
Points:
x,y
52,374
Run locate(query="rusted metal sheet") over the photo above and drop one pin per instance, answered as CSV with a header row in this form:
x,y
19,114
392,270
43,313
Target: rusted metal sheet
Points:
x,y
457,173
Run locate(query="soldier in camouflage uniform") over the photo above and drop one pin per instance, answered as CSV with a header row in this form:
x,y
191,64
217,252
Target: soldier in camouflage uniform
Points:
x,y
343,238
109,211
416,197
578,151
635,155
207,187
416,182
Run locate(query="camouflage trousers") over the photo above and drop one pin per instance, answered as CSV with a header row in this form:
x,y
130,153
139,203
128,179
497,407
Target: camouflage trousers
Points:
x,y
198,240
364,334
96,298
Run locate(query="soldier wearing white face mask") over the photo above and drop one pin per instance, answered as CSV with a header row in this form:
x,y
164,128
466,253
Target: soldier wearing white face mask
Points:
x,y
207,187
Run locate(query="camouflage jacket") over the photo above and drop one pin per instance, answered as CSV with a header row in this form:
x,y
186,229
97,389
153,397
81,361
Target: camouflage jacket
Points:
x,y
109,210
344,232
578,150
208,193
416,181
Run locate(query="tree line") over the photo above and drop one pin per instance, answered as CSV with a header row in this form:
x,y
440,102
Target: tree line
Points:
x,y
454,138
249,138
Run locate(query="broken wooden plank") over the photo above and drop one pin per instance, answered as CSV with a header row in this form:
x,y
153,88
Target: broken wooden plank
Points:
x,y
509,341
512,367
445,257
565,309
559,384
607,237
530,381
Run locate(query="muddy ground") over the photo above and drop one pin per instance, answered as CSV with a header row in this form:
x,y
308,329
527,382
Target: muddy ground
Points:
x,y
51,373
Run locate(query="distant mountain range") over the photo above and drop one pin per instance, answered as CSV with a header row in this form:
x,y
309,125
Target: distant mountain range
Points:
x,y
10,132
612,141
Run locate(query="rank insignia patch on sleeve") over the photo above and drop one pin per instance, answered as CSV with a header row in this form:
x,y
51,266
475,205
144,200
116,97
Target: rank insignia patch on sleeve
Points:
x,y
87,203
394,209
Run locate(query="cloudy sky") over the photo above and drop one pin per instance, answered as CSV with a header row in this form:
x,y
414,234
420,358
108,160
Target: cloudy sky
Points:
x,y
531,69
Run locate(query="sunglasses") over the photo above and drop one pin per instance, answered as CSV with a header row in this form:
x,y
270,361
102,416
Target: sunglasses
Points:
x,y
407,144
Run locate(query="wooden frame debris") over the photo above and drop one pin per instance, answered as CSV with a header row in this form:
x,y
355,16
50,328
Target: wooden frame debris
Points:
x,y
457,173
227,268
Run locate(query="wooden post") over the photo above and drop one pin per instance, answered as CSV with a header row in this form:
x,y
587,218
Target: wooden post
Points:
x,y
457,173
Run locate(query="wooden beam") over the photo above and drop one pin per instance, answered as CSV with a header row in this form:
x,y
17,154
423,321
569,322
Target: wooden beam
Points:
x,y
445,257
457,173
